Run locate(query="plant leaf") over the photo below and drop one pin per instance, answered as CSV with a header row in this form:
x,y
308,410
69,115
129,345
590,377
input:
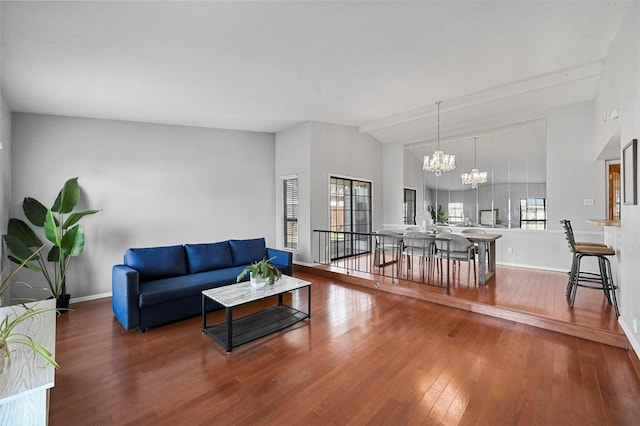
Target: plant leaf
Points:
x,y
36,347
34,211
17,248
50,228
54,254
23,232
75,218
31,266
68,197
72,243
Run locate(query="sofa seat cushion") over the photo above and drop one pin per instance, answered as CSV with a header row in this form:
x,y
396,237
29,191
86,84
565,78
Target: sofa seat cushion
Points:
x,y
245,252
164,290
154,263
208,257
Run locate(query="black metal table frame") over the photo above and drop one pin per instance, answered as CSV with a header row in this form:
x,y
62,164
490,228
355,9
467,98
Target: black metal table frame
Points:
x,y
281,316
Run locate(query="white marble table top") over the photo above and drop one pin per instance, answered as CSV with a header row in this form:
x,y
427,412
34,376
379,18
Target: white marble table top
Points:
x,y
241,293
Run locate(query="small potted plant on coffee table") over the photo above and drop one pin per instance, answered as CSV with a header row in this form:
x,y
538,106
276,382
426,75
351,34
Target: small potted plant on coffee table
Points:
x,y
260,273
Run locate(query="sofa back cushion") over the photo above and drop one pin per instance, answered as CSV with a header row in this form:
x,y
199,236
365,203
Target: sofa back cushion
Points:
x,y
208,257
157,262
245,252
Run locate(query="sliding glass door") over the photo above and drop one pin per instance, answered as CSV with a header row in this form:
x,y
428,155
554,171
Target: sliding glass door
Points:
x,y
350,211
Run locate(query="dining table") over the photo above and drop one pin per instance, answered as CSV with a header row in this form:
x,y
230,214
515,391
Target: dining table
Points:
x,y
486,254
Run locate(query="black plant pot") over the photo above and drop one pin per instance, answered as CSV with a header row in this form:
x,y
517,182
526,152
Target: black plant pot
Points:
x,y
62,303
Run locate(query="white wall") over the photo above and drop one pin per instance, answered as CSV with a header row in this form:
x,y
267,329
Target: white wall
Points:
x,y
335,150
5,162
315,151
5,170
620,90
573,173
338,150
414,178
293,157
155,184
393,178
5,181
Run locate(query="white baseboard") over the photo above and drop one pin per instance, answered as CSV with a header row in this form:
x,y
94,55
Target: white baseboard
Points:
x,y
92,297
309,264
631,336
541,268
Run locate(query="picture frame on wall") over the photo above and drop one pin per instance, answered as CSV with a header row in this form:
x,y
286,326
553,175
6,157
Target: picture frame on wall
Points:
x,y
630,173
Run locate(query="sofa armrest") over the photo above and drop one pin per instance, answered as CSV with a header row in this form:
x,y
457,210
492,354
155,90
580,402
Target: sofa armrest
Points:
x,y
125,288
283,260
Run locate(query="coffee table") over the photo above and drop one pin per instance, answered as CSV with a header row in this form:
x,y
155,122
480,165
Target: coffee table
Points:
x,y
235,332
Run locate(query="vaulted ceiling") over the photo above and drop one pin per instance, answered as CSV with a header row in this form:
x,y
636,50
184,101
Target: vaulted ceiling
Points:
x,y
265,66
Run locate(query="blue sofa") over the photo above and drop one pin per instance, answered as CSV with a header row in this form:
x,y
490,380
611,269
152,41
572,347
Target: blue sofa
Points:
x,y
158,285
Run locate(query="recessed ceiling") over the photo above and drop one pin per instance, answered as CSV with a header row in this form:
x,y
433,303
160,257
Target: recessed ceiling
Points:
x,y
265,66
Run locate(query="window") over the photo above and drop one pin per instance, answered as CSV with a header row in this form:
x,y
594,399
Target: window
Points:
x,y
290,212
409,210
533,213
456,214
350,211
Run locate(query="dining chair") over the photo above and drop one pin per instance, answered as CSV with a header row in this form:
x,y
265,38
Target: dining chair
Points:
x,y
460,249
387,241
479,231
474,231
420,244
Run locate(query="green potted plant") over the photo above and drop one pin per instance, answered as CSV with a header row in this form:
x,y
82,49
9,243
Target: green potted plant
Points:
x,y
16,315
60,227
260,273
442,217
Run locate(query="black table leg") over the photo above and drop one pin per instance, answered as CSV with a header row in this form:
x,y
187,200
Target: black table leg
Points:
x,y
229,321
204,313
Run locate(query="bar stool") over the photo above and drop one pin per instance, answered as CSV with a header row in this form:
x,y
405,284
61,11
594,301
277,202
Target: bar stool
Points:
x,y
578,278
566,224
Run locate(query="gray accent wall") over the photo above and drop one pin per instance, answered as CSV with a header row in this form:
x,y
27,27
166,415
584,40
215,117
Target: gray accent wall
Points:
x,y
155,184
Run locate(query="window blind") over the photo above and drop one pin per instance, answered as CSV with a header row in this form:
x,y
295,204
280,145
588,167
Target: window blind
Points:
x,y
290,212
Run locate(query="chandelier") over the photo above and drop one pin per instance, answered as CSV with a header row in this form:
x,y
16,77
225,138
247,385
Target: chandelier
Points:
x,y
439,162
476,176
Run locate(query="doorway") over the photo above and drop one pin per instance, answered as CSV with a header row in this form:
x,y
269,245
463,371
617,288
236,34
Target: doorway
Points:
x,y
350,212
614,191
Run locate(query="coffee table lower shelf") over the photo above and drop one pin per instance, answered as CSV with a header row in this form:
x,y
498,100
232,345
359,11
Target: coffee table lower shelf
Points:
x,y
254,326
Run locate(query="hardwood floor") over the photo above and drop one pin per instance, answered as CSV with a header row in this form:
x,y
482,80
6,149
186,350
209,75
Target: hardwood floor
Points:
x,y
365,357
534,297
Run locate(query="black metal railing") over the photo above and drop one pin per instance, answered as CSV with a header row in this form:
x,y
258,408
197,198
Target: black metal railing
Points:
x,y
388,254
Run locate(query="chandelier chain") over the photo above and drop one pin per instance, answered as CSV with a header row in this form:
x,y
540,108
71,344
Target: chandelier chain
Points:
x,y
438,103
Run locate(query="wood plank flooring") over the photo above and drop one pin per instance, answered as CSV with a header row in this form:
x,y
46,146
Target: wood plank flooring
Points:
x,y
536,296
365,357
